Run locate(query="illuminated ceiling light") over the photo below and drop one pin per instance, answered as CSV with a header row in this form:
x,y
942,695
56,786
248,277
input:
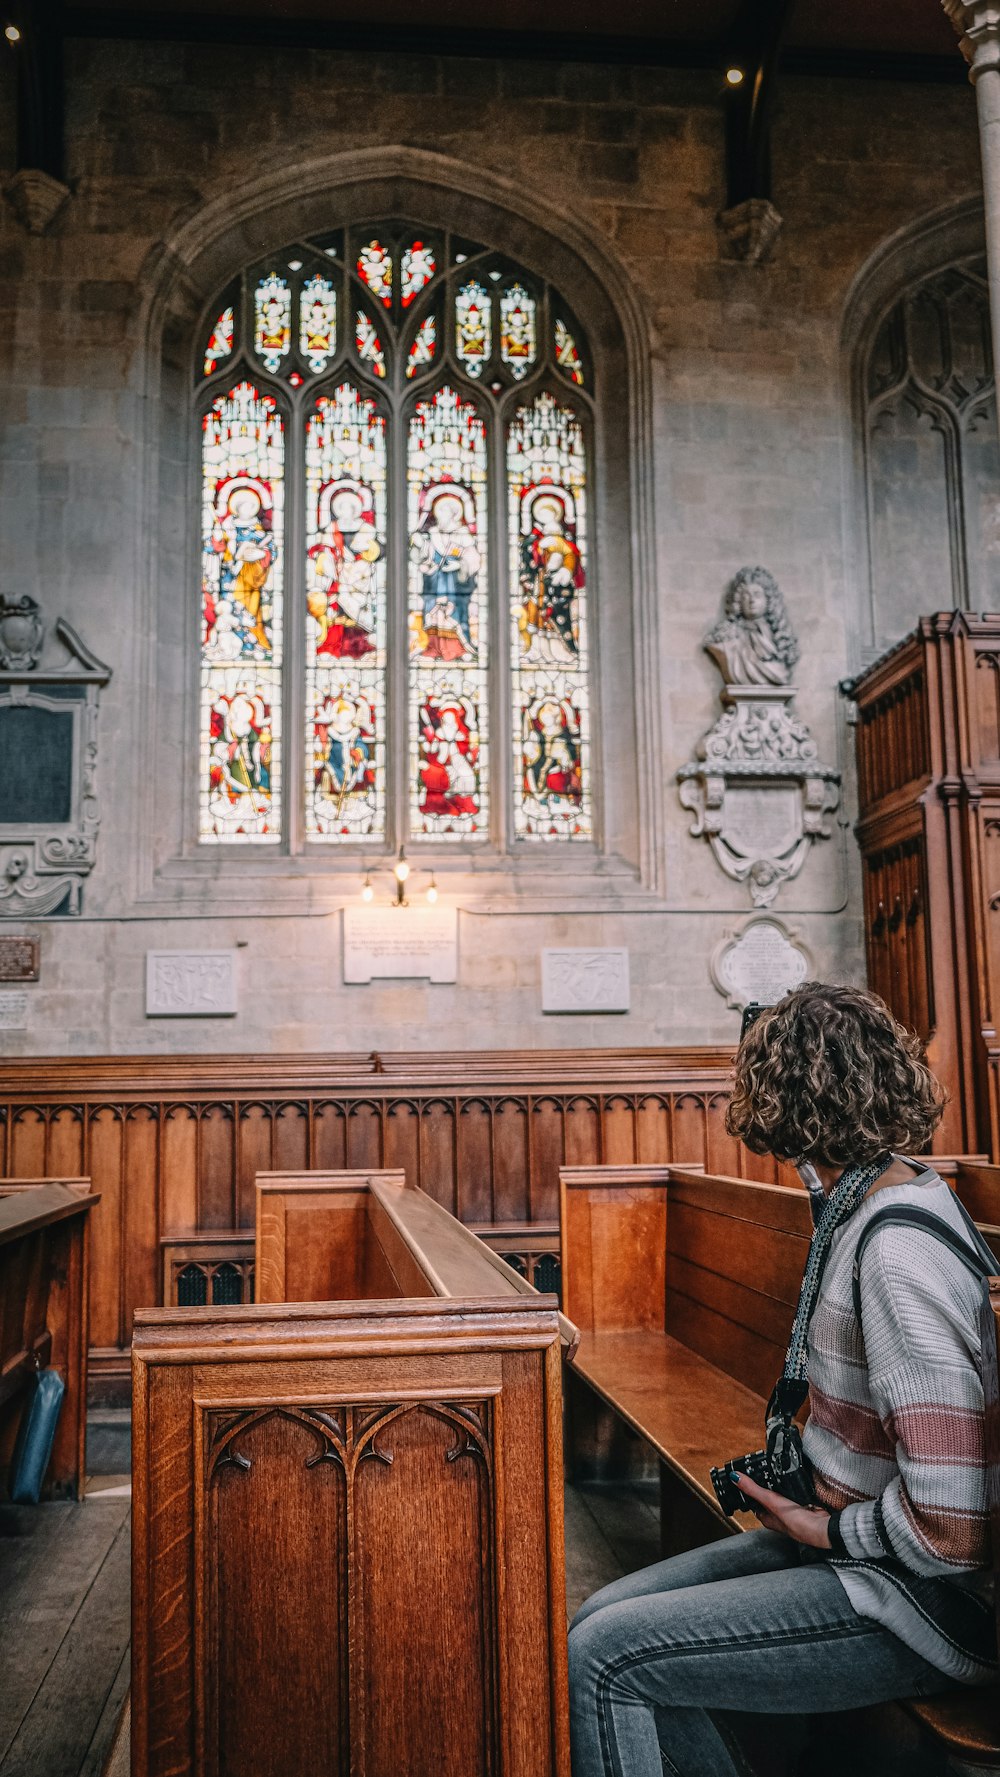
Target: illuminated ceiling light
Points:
x,y
735,76
12,34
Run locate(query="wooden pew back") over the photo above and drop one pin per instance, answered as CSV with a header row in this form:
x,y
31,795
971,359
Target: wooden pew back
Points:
x,y
348,1548
44,1315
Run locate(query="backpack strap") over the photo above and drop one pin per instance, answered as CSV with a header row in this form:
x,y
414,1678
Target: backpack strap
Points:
x,y
976,1257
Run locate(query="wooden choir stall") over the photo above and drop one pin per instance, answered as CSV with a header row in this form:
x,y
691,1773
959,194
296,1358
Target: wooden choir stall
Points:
x,y
348,1531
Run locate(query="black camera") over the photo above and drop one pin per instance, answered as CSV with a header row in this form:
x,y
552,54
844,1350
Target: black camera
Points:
x,y
756,1464
794,1483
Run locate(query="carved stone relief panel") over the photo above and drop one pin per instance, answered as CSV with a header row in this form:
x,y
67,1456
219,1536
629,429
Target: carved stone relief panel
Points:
x,y
49,815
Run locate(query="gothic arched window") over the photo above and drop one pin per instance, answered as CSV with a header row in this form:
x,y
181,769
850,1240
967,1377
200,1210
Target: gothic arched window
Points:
x,y
395,447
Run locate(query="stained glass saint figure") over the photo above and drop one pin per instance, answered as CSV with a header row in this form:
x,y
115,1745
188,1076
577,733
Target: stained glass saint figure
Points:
x,y
551,577
445,551
341,598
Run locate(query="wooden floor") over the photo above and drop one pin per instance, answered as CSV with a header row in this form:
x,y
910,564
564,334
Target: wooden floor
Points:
x,y
64,1603
64,1619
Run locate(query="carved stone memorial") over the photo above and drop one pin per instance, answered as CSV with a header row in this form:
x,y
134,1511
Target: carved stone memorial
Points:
x,y
756,786
585,979
762,960
49,690
191,984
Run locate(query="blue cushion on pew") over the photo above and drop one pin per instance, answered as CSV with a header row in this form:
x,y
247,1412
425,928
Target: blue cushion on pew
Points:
x,y
35,1436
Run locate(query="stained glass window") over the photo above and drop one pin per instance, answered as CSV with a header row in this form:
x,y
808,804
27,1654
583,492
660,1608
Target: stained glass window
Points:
x,y
242,541
424,346
369,344
417,268
517,330
547,489
567,356
395,419
375,266
220,342
346,540
446,476
273,330
473,327
317,322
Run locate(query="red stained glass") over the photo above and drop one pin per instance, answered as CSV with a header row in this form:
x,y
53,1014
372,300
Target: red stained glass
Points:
x,y
567,356
424,346
221,341
375,267
417,268
368,343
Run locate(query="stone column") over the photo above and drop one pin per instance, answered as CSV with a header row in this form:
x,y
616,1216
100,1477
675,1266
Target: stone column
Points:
x,y
978,25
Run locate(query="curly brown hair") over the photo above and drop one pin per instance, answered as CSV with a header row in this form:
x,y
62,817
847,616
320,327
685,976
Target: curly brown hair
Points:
x,y
828,1074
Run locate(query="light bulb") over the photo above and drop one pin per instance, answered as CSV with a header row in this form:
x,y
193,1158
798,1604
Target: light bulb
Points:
x,y
432,892
735,76
12,34
401,868
367,892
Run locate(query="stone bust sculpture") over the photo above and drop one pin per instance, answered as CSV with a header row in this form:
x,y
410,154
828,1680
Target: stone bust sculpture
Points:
x,y
753,643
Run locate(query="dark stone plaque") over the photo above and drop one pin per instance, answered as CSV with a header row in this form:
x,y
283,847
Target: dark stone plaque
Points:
x,y
19,957
36,783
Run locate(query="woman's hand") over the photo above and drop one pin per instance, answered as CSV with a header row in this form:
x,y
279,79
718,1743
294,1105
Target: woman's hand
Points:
x,y
804,1524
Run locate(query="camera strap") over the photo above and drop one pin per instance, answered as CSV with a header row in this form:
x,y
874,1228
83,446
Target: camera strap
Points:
x,y
792,1385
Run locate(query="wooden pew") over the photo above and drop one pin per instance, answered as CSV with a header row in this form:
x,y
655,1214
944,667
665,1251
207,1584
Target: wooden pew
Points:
x,y
348,1539
44,1240
684,1288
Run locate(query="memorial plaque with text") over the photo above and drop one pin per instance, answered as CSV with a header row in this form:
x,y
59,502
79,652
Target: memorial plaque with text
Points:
x,y
19,957
402,943
761,962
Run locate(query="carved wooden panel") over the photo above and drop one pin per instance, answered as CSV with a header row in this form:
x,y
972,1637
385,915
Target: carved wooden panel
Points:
x,y
174,1147
895,890
348,1541
893,744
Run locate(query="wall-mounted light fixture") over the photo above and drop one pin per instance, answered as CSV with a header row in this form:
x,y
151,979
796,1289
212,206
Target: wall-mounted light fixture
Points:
x,y
401,873
735,76
12,33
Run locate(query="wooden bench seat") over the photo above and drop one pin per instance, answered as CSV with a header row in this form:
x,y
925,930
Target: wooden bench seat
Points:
x,y
684,1288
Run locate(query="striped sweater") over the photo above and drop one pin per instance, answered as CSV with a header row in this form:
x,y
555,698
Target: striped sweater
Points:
x,y
896,1434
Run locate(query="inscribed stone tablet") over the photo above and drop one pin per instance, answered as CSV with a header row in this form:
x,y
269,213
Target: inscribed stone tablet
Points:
x,y
13,1011
382,943
582,979
191,983
18,957
762,961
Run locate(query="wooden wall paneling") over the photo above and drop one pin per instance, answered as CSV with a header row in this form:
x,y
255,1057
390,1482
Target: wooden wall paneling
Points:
x,y
724,1153
329,1136
618,1145
28,1142
217,1165
511,1158
276,1519
401,1147
688,1133
583,1131
652,1129
547,1138
255,1152
474,1160
364,1134
179,1163
65,1142
140,1213
614,1243
290,1147
434,1168
105,1164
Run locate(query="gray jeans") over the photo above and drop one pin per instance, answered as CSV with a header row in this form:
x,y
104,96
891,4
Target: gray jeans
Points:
x,y
743,1625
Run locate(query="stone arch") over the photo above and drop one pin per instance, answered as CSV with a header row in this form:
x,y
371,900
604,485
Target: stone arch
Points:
x,y
208,245
922,447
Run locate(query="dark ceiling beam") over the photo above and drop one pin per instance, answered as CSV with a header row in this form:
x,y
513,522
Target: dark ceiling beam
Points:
x,y
41,101
582,46
753,47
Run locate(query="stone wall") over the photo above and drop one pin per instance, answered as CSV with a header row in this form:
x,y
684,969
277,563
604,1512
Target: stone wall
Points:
x,y
747,457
